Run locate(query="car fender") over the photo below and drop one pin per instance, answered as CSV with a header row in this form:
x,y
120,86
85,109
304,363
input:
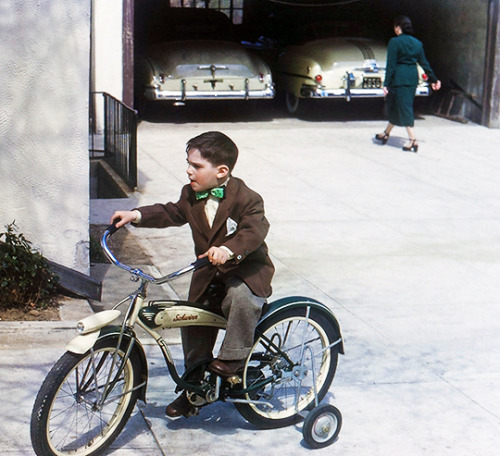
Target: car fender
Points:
x,y
290,72
291,302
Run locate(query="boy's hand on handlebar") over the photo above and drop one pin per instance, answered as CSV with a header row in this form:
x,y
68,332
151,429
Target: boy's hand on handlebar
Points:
x,y
216,255
121,218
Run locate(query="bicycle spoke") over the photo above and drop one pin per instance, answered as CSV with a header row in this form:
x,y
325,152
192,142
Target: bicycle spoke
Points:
x,y
284,354
91,401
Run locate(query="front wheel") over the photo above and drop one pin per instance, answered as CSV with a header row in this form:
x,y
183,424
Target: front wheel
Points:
x,y
85,401
291,365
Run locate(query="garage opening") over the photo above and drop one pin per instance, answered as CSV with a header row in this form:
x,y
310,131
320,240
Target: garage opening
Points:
x,y
461,37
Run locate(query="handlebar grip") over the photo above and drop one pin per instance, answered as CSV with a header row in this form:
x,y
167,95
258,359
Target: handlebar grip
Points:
x,y
200,263
112,229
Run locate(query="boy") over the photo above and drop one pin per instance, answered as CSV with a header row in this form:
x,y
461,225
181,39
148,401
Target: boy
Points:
x,y
228,226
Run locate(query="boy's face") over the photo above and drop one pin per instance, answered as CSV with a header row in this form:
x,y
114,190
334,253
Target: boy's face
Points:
x,y
202,174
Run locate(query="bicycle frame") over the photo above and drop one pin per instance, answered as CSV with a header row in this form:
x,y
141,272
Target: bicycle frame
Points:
x,y
150,316
166,314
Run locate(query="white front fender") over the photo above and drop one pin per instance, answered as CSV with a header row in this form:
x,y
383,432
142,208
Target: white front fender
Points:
x,y
89,328
81,344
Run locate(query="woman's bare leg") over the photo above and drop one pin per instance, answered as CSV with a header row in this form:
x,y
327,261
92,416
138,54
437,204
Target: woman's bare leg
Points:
x,y
411,136
386,133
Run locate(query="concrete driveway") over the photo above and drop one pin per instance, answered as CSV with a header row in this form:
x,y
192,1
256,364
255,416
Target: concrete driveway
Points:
x,y
403,247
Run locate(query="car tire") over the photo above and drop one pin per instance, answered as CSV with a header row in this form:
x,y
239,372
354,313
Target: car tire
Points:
x,y
292,102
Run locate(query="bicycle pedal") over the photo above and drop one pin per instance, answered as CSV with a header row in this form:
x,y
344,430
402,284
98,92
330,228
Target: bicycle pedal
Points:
x,y
234,380
193,412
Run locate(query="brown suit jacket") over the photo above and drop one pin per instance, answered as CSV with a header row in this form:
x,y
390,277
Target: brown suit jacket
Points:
x,y
240,225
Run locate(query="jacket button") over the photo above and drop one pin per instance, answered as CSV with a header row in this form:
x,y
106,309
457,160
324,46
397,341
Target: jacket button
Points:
x,y
239,257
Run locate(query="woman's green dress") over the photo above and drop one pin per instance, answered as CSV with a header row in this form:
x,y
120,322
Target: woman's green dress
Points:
x,y
401,78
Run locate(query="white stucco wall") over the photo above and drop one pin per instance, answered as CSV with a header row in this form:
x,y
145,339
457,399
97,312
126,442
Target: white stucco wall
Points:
x,y
44,165
106,54
107,57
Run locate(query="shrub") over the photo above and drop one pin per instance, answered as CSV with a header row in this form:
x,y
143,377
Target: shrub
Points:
x,y
25,278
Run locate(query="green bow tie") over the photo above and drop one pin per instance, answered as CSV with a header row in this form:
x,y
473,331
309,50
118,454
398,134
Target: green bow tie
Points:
x,y
215,192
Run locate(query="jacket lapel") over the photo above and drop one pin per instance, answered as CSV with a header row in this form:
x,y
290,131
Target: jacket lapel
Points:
x,y
200,218
224,205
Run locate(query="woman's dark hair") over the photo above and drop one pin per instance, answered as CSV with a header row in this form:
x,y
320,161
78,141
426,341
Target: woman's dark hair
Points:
x,y
215,147
405,23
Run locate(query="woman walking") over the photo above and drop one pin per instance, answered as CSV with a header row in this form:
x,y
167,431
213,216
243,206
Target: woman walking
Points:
x,y
401,79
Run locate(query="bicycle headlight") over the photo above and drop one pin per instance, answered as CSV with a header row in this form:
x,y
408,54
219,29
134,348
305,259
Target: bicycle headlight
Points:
x,y
97,321
80,327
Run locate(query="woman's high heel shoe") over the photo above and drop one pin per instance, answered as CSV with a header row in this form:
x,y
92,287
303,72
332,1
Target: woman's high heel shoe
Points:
x,y
383,138
413,147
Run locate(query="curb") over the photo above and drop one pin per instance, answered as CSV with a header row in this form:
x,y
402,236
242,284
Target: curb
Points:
x,y
44,332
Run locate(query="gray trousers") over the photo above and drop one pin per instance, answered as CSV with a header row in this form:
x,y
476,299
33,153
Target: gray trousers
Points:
x,y
242,309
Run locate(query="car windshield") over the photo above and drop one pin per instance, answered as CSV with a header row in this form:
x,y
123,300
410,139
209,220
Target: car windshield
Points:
x,y
189,24
297,31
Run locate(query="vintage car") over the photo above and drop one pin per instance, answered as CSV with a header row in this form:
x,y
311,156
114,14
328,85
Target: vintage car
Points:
x,y
200,62
339,67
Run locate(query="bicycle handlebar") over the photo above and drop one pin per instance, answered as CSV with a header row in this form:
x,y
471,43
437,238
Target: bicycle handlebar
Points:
x,y
112,229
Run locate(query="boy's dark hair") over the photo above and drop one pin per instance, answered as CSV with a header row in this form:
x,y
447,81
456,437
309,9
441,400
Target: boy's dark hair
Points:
x,y
215,147
405,23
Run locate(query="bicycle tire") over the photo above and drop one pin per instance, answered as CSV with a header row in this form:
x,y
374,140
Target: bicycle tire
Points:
x,y
292,390
66,417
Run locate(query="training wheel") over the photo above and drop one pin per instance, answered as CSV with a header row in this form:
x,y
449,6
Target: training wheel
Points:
x,y
322,426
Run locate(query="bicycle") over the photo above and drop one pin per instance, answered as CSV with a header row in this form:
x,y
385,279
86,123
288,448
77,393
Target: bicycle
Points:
x,y
89,394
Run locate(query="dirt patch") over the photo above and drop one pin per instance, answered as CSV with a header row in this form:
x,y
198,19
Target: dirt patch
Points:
x,y
48,314
123,244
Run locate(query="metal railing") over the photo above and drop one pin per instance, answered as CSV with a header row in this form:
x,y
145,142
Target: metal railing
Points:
x,y
113,135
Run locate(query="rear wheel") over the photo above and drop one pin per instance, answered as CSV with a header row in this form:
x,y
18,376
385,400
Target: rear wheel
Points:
x,y
85,401
292,363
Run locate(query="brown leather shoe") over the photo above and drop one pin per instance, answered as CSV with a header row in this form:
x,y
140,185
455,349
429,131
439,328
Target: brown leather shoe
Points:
x,y
226,368
180,407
